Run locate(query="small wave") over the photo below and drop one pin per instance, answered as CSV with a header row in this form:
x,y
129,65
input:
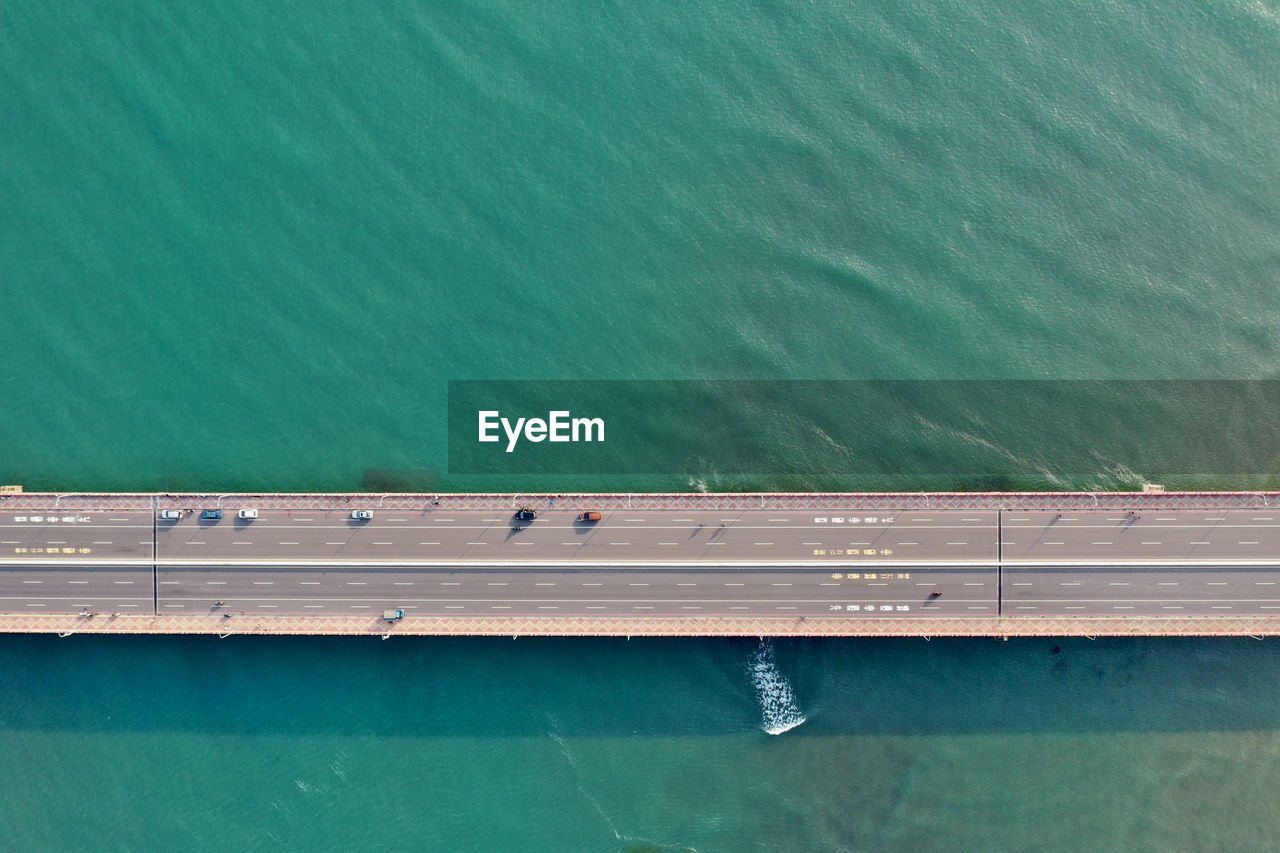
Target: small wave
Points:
x,y
645,843
779,711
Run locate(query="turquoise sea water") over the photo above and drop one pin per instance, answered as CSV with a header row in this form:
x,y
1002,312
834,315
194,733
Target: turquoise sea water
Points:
x,y
245,246
609,745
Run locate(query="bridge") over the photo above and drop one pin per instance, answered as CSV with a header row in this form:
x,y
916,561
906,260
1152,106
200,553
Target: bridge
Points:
x,y
980,563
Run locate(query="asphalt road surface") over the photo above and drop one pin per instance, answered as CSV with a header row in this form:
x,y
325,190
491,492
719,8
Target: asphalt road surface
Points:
x,y
619,538
433,562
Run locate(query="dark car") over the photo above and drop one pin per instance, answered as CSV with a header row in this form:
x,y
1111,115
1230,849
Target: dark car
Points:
x,y
525,514
211,514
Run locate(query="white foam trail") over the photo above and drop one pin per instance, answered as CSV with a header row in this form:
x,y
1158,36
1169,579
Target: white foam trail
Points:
x,y
779,711
595,804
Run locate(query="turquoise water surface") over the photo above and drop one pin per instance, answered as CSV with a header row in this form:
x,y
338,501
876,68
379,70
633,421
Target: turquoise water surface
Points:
x,y
246,245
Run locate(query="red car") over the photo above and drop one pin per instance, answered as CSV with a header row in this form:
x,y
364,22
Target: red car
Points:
x,y
589,516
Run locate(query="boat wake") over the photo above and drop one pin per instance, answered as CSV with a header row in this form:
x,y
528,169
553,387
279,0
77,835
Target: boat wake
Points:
x,y
779,711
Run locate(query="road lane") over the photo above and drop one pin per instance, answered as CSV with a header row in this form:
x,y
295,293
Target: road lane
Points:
x,y
63,588
1152,537
473,589
760,537
1111,589
57,534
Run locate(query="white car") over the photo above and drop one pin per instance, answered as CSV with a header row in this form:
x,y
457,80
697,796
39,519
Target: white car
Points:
x,y
171,515
362,514
248,513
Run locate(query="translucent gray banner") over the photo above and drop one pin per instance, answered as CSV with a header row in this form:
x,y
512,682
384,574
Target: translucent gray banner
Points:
x,y
942,428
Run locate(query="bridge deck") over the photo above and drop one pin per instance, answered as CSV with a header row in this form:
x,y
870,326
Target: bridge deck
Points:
x,y
845,560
